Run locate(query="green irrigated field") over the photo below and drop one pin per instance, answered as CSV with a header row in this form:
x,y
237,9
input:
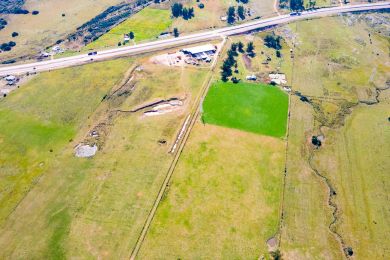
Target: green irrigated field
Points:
x,y
223,202
256,108
146,25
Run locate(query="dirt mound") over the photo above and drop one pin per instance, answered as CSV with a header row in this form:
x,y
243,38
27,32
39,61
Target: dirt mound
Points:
x,y
272,244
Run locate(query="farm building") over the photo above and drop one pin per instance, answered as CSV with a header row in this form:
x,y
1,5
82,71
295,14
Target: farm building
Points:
x,y
201,52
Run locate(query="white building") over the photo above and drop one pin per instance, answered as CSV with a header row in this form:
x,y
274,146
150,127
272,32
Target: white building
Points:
x,y
201,52
278,78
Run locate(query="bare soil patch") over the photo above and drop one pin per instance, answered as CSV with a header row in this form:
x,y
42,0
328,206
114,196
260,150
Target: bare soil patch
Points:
x,y
247,62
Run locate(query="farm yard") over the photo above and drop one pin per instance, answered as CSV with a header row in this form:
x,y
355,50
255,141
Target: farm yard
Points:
x,y
250,107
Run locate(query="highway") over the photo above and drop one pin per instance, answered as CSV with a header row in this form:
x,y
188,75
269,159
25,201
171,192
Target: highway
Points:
x,y
183,40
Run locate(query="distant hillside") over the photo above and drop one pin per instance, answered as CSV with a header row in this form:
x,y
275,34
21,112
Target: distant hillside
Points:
x,y
12,7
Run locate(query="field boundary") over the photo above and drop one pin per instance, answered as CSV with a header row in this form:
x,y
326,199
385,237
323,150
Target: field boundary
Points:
x,y
192,119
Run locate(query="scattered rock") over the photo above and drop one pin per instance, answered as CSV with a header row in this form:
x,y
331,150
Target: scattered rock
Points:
x,y
162,141
321,138
316,141
94,133
348,251
85,150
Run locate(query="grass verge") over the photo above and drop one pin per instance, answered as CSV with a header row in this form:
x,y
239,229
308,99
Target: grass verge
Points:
x,y
146,24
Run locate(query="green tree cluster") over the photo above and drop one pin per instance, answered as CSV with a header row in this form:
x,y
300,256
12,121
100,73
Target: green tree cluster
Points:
x,y
178,10
296,5
273,41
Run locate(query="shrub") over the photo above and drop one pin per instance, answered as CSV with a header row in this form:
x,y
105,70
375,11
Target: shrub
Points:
x,y
315,141
175,32
276,255
20,11
273,41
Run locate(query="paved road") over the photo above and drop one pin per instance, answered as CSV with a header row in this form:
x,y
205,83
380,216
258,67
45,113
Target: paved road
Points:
x,y
188,39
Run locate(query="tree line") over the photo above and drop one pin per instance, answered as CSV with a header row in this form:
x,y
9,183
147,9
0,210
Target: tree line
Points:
x,y
230,61
178,10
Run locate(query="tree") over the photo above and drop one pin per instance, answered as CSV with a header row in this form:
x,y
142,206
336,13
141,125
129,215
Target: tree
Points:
x,y
35,12
234,47
278,54
232,53
315,141
276,255
230,59
177,9
131,35
15,34
185,14
226,70
250,49
175,32
241,12
235,80
296,5
231,13
224,77
240,46
272,41
201,6
119,44
191,13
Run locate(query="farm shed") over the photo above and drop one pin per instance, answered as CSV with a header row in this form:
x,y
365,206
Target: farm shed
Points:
x,y
200,52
